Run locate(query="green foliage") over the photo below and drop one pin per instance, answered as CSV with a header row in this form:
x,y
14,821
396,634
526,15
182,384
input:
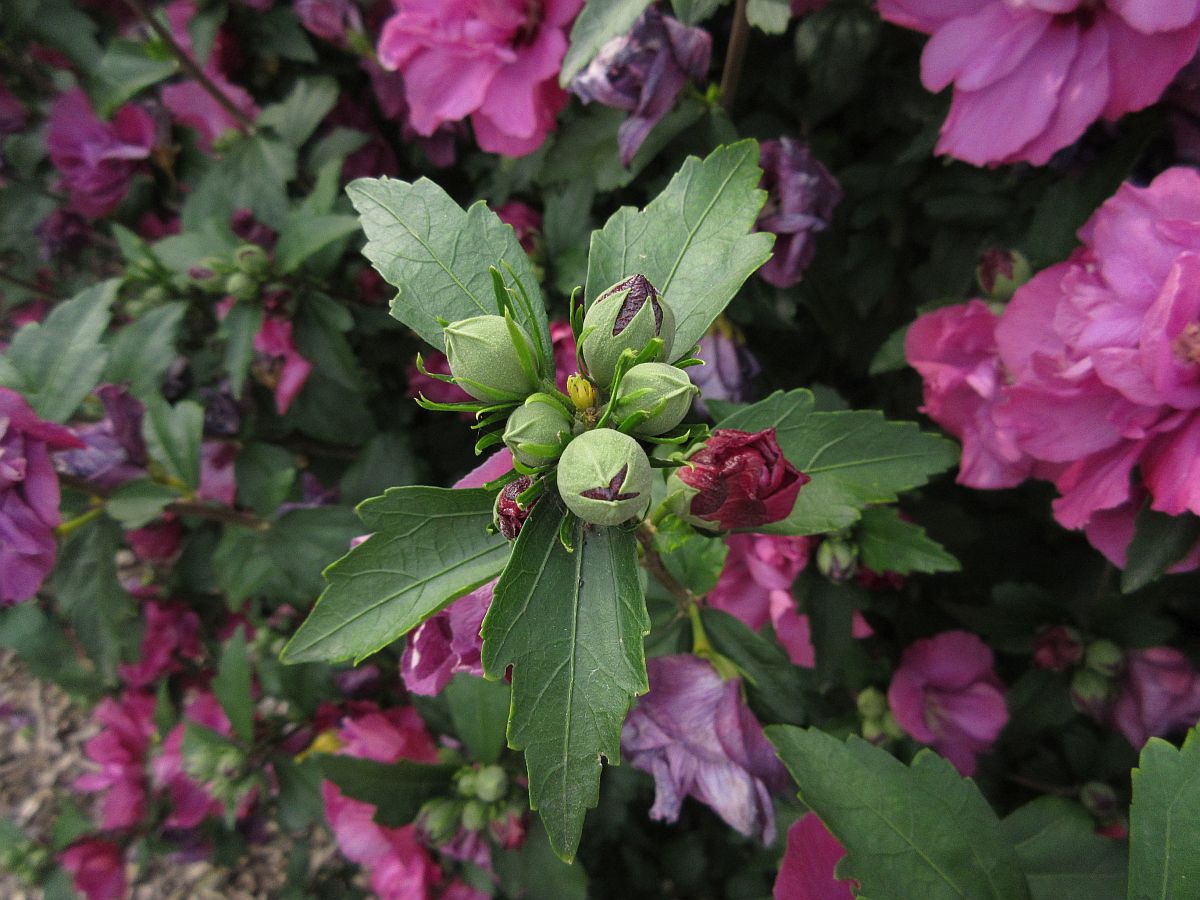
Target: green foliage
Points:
x,y
428,547
771,16
423,243
479,710
599,21
231,686
536,873
693,241
297,116
126,68
173,435
142,350
239,327
1062,855
1164,821
776,688
693,559
571,624
396,790
265,474
855,459
888,543
137,503
56,363
304,236
909,831
1159,541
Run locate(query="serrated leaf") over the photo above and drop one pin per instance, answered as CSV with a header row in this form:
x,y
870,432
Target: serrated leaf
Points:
x,y
429,547
423,243
571,624
231,686
173,435
599,21
1159,541
126,68
534,873
1062,855
855,459
296,117
693,241
396,790
143,350
56,363
890,544
689,12
1164,821
304,236
920,831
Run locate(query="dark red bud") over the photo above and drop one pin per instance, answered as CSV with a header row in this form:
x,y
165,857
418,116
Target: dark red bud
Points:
x,y
509,515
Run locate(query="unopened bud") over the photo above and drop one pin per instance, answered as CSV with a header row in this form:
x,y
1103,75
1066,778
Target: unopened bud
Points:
x,y
662,392
581,391
208,274
538,431
242,286
604,477
1099,799
1001,272
509,515
1105,657
837,559
491,784
872,704
438,819
474,815
627,316
1091,692
252,260
484,361
1057,648
466,783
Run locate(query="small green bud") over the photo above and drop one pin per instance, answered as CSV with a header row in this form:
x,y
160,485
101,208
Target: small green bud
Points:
x,y
209,274
1105,657
872,704
242,286
491,784
466,783
538,432
873,731
661,391
1090,691
252,260
474,815
891,727
438,819
1099,799
627,316
1000,272
485,362
604,477
837,559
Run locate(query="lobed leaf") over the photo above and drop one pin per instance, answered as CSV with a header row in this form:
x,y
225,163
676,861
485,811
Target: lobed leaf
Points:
x,y
1164,821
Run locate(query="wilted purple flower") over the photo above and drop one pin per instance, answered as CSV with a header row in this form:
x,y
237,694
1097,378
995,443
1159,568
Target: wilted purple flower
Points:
x,y
1159,694
329,19
63,233
801,197
643,72
113,450
729,369
28,496
694,734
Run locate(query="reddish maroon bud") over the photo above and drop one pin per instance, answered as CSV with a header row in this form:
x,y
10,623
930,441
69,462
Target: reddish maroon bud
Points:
x,y
1057,648
509,515
1001,272
743,480
879,581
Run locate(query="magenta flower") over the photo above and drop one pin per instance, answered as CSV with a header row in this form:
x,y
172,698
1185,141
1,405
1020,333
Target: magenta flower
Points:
x,y
946,694
1030,77
643,72
279,365
757,566
120,752
495,61
172,635
694,734
97,867
807,871
62,233
157,542
218,478
801,198
329,19
113,451
28,496
526,222
191,803
1159,695
562,344
96,159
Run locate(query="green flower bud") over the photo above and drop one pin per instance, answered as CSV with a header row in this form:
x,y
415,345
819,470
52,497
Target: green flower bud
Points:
x,y
438,819
491,784
627,316
837,559
581,391
474,815
661,391
484,360
209,274
242,286
252,260
538,432
604,477
466,783
1105,657
872,704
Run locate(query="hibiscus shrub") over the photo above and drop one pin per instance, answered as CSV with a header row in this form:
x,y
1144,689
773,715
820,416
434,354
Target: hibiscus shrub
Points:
x,y
823,444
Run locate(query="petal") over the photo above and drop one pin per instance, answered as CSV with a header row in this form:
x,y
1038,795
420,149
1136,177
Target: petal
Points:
x,y
975,51
1156,15
1143,65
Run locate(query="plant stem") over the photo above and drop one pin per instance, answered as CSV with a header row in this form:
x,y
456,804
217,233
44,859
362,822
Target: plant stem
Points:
x,y
654,565
735,57
189,65
79,521
179,507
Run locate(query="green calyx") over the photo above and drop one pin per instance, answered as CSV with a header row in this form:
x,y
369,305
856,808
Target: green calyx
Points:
x,y
627,316
604,477
491,358
538,431
652,399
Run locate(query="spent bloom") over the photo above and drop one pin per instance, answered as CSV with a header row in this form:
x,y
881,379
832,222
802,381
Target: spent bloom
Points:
x,y
120,752
29,496
801,198
729,368
113,450
172,635
1159,694
643,72
96,159
809,860
496,61
694,734
97,868
1030,77
946,694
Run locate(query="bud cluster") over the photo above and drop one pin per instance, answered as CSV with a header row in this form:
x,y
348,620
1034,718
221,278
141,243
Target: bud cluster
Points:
x,y
878,724
590,437
481,801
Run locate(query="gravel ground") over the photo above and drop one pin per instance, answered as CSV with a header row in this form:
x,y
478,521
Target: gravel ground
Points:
x,y
41,754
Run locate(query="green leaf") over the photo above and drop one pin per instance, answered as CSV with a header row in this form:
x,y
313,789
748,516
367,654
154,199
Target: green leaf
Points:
x,y
173,435
1159,541
60,24
771,16
920,831
479,709
599,21
252,173
689,12
535,873
429,547
1061,854
423,243
396,790
304,236
127,68
231,686
776,687
56,363
890,544
298,115
693,559
693,241
137,503
1164,821
890,355
238,328
571,624
855,459
39,641
265,474
386,461
143,350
